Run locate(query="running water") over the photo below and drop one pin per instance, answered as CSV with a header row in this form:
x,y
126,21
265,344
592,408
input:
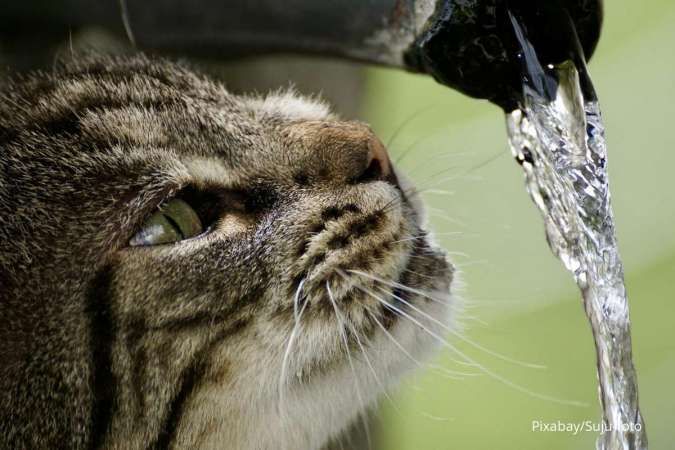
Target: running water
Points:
x,y
557,137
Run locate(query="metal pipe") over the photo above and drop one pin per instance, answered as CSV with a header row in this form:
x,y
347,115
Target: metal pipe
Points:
x,y
465,44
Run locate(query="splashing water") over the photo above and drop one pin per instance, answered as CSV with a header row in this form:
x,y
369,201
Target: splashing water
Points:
x,y
559,143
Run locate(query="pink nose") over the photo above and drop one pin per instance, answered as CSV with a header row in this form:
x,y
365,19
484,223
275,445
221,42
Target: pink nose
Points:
x,y
343,152
377,165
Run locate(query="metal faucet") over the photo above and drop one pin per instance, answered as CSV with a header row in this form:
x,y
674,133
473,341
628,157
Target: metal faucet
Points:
x,y
467,45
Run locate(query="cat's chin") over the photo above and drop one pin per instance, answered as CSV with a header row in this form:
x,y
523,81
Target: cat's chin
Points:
x,y
406,333
324,398
373,366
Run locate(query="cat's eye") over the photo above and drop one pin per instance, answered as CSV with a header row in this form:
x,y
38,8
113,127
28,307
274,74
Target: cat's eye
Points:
x,y
174,222
195,211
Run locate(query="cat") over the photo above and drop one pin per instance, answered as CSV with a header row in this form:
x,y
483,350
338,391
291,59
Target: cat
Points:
x,y
181,267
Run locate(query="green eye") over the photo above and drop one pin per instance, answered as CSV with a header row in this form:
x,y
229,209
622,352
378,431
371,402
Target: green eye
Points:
x,y
174,222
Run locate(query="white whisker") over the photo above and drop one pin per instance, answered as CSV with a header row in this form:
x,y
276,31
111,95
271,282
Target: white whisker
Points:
x,y
428,277
462,337
436,212
297,314
423,236
477,262
441,324
456,375
372,369
404,124
442,341
437,418
438,192
343,335
471,361
400,286
126,22
462,254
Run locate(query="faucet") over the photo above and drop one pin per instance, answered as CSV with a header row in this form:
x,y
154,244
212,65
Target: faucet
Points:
x,y
468,45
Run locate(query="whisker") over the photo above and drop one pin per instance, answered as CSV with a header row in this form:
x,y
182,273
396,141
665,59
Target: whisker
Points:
x,y
403,314
452,374
428,277
431,156
438,192
439,173
466,304
437,418
432,181
477,262
446,373
481,367
126,22
471,169
424,235
462,254
418,190
404,124
456,375
441,324
413,238
474,318
399,285
396,343
372,369
349,358
437,212
297,314
464,338
407,150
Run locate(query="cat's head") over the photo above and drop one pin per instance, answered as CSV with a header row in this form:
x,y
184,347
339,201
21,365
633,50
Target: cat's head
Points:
x,y
198,267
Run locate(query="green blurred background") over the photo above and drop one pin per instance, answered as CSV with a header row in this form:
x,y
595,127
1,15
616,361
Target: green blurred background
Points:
x,y
521,301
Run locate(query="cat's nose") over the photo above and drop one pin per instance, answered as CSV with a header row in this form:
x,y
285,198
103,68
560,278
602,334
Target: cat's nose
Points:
x,y
377,165
342,152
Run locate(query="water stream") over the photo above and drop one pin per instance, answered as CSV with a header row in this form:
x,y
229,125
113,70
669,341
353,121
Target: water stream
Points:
x,y
557,137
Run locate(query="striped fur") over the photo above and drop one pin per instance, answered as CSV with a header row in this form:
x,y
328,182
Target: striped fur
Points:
x,y
181,346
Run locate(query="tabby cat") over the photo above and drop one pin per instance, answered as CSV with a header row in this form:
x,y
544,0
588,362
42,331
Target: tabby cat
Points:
x,y
184,268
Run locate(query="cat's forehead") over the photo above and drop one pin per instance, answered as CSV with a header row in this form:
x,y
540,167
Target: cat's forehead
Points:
x,y
104,84
161,107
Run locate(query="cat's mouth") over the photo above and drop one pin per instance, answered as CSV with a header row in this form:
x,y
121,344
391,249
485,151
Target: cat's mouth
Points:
x,y
366,297
349,240
404,291
378,260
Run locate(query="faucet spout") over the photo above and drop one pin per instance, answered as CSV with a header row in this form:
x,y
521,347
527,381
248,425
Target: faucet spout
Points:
x,y
471,45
